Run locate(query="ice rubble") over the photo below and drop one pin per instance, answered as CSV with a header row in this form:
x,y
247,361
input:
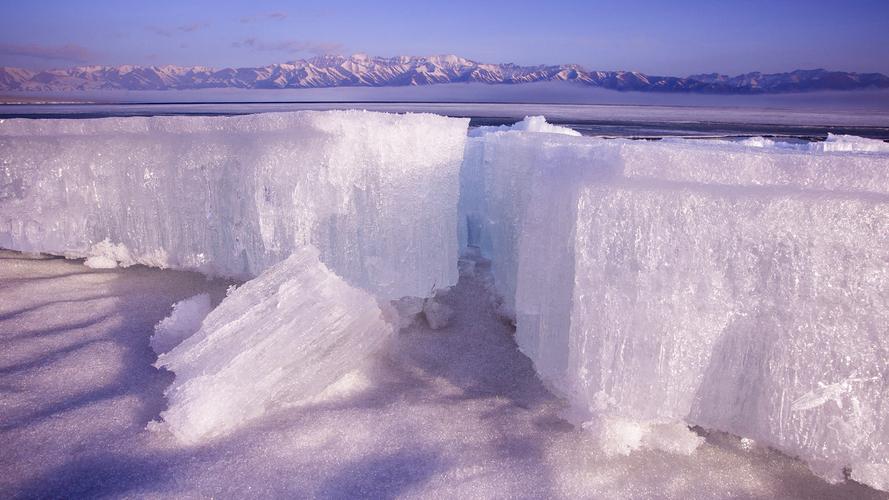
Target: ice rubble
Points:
x,y
736,288
833,143
375,193
529,124
279,338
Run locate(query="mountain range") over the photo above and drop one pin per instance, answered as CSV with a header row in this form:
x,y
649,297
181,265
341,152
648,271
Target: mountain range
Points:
x,y
365,71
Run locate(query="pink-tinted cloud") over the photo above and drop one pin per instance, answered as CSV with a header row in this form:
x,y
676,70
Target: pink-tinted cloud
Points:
x,y
289,46
69,52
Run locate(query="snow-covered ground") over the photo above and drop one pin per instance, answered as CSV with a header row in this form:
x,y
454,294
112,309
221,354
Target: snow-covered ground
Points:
x,y
456,412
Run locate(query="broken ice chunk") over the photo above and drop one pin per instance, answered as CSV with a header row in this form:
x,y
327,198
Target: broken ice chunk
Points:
x,y
181,323
278,339
437,315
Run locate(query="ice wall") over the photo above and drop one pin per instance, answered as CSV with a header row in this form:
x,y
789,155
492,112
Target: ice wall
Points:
x,y
279,338
495,183
375,193
741,287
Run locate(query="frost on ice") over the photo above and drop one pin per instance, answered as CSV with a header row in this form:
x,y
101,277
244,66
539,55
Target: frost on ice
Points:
x,y
376,193
737,288
276,340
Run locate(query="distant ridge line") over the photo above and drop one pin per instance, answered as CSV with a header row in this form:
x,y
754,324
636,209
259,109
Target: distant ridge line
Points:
x,y
360,70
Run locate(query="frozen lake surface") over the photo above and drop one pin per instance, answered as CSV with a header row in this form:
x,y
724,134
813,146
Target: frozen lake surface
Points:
x,y
590,111
457,412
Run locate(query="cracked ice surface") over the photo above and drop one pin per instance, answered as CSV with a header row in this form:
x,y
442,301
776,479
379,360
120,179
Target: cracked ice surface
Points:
x,y
375,193
741,287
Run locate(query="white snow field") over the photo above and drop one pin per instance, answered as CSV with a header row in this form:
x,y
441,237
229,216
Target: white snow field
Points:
x,y
665,292
376,193
737,287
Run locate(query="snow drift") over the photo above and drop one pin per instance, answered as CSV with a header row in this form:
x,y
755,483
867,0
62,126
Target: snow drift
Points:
x,y
738,288
375,193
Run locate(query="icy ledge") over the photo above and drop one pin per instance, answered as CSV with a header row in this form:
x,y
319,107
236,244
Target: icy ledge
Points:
x,y
742,287
376,193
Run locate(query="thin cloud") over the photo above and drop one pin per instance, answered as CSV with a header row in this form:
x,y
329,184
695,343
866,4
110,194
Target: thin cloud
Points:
x,y
190,28
289,46
69,52
169,32
159,31
274,16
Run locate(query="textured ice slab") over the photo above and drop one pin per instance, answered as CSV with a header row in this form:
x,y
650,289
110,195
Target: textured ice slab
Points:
x,y
280,338
740,288
494,188
375,193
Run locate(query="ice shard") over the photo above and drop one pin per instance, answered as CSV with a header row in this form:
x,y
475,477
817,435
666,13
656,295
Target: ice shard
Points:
x,y
280,338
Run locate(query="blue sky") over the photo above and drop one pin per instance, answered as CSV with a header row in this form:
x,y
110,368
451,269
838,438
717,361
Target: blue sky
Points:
x,y
657,37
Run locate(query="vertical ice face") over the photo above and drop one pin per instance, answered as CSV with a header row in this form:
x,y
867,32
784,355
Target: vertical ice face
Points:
x,y
498,171
375,193
763,315
282,337
741,288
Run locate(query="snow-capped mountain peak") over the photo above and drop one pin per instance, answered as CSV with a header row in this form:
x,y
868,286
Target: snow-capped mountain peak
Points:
x,y
368,71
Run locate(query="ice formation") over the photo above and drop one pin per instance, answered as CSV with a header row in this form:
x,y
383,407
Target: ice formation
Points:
x,y
494,187
437,315
740,286
280,338
736,288
375,193
529,124
183,321
833,143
